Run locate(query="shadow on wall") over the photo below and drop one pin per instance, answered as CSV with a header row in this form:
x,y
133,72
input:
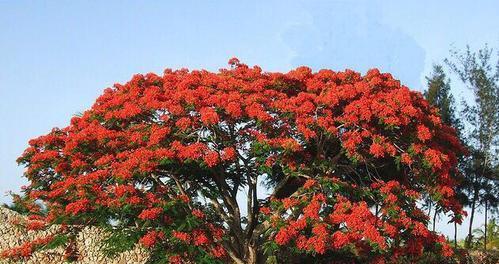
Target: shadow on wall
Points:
x,y
344,34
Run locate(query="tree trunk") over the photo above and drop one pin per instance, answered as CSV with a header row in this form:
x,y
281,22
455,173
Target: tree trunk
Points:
x,y
470,229
429,208
252,254
485,233
455,234
435,218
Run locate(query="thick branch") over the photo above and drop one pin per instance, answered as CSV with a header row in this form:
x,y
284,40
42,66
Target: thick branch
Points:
x,y
252,205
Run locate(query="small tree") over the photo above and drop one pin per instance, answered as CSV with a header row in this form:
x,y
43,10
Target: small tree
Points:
x,y
161,160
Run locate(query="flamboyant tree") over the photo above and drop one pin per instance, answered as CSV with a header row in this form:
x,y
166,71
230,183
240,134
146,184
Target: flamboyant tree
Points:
x,y
162,160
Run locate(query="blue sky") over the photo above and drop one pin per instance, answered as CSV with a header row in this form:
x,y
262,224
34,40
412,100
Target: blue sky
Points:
x,y
57,57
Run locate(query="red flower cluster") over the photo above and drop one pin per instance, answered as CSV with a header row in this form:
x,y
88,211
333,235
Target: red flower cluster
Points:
x,y
150,214
339,223
78,207
181,236
26,249
35,225
423,133
198,213
205,239
151,238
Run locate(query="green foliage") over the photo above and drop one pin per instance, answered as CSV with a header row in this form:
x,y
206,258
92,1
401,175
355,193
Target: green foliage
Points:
x,y
439,94
18,204
57,241
119,240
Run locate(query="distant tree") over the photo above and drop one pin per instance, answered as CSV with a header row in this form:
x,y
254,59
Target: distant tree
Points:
x,y
477,71
439,94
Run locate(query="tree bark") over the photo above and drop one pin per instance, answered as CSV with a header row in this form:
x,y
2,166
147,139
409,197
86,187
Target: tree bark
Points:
x,y
485,233
429,207
252,254
435,218
472,215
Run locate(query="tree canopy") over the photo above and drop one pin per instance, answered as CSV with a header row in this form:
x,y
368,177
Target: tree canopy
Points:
x,y
161,160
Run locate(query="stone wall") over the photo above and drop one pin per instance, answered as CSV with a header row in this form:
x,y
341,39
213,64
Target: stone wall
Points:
x,y
87,244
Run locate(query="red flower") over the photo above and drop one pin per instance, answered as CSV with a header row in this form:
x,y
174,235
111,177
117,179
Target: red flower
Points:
x,y
265,210
158,134
283,237
312,210
183,123
211,159
78,207
423,133
198,213
228,153
209,116
318,243
289,202
302,242
199,238
181,236
406,159
339,239
26,249
184,198
151,238
35,225
434,158
234,109
377,150
218,251
309,183
150,213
